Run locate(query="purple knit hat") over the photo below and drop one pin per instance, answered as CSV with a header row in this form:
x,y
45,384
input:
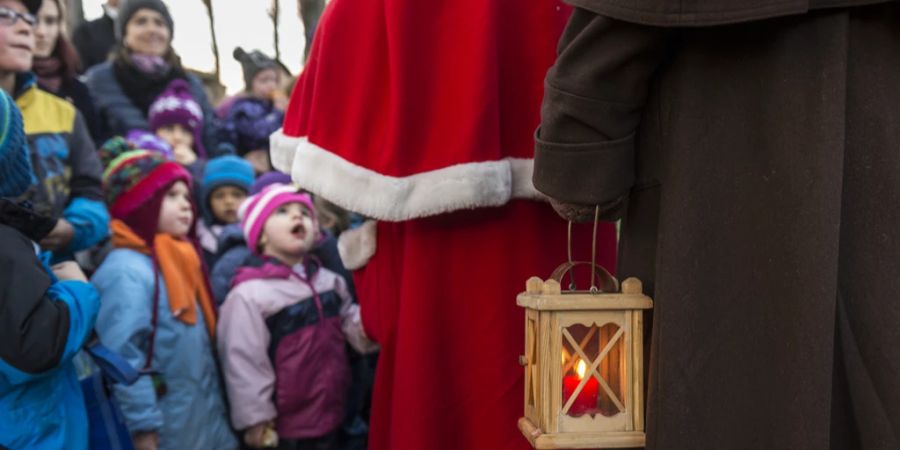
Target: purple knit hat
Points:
x,y
256,210
269,178
176,105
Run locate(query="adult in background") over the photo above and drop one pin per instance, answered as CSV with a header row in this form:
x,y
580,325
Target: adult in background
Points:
x,y
56,64
143,65
756,164
96,39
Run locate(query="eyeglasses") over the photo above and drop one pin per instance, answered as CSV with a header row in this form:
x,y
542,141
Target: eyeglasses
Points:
x,y
9,17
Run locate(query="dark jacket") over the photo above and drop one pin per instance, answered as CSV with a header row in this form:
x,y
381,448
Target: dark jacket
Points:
x,y
43,324
707,12
758,165
122,114
94,41
249,124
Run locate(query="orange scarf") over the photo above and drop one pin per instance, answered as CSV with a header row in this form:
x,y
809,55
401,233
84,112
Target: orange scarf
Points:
x,y
180,266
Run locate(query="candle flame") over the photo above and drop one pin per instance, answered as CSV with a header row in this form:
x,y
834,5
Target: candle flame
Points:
x,y
581,368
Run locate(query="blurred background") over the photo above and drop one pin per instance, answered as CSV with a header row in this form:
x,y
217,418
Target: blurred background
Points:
x,y
274,27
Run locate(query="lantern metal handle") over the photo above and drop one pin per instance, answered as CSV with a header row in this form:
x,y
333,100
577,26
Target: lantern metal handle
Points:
x,y
609,282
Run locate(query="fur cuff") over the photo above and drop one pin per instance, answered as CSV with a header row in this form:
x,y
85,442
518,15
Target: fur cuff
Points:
x,y
357,246
361,190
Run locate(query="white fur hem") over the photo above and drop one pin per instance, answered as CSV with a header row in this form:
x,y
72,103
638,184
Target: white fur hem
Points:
x,y
361,190
356,246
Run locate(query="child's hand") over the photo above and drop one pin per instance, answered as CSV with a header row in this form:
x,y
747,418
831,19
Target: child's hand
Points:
x,y
184,155
261,435
60,236
145,440
68,270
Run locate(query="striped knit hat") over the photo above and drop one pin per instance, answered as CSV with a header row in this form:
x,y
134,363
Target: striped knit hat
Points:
x,y
15,161
256,210
135,176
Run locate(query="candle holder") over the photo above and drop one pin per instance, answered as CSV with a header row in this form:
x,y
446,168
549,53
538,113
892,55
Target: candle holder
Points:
x,y
583,361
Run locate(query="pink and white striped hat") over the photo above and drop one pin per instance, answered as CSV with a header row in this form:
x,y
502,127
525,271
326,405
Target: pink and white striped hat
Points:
x,y
256,209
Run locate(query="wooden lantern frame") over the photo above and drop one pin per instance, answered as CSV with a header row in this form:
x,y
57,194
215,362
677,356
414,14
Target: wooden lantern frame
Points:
x,y
549,313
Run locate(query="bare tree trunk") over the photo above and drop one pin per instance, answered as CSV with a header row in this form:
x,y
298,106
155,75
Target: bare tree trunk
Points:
x,y
275,14
215,41
75,11
309,12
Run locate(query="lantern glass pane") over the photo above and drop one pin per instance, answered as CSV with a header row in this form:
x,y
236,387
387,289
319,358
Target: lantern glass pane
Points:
x,y
593,370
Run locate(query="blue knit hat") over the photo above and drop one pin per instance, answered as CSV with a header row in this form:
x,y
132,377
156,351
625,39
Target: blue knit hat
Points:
x,y
15,161
225,170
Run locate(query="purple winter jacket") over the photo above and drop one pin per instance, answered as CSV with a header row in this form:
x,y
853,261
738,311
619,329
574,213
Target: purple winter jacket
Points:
x,y
281,337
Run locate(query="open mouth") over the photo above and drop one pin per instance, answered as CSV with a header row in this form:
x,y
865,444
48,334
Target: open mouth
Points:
x,y
298,231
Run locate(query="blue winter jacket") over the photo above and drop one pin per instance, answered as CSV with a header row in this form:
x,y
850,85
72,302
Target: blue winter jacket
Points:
x,y
190,413
44,408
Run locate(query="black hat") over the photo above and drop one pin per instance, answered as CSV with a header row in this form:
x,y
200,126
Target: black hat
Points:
x,y
253,63
130,7
32,5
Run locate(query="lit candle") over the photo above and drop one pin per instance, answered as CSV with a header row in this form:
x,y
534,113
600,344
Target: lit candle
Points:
x,y
586,401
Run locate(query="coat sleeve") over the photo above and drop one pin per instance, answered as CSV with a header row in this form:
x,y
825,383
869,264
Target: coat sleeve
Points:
x,y
42,325
351,322
86,210
210,124
124,326
114,107
243,343
224,270
593,100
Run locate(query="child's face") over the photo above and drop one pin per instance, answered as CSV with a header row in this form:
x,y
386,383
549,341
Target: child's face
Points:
x,y
225,201
177,136
264,84
176,214
16,40
290,232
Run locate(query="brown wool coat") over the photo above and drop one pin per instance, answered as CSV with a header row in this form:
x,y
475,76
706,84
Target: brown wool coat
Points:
x,y
760,163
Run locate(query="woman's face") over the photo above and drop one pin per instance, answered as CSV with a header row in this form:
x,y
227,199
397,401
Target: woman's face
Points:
x,y
16,40
147,33
46,32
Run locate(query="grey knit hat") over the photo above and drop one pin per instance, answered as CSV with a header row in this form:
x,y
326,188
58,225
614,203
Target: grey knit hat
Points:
x,y
253,63
130,7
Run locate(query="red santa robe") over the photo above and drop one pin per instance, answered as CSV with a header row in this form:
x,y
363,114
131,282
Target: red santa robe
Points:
x,y
420,114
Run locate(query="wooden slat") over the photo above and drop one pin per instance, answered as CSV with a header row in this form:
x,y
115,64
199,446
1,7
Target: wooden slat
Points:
x,y
624,439
579,302
637,357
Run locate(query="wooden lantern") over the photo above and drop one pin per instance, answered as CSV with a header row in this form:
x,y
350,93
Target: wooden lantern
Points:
x,y
583,360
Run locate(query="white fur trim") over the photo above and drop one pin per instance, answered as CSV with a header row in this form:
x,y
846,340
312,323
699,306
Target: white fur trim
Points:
x,y
357,246
358,189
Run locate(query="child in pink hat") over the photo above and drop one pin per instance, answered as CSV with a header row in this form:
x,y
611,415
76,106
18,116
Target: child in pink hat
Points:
x,y
283,329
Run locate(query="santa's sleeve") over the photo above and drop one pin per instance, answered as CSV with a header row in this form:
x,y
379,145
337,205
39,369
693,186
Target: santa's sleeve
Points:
x,y
593,100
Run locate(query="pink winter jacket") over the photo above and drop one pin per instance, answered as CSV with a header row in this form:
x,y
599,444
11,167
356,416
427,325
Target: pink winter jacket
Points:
x,y
281,339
